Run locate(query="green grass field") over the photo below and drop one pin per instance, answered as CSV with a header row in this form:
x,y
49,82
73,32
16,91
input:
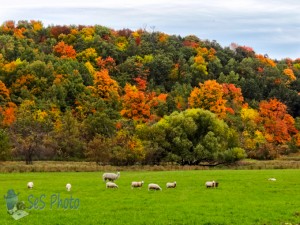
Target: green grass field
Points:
x,y
243,197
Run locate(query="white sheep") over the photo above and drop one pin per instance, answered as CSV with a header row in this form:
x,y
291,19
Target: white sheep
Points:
x,y
111,185
211,184
272,179
171,185
136,184
110,176
154,187
68,187
30,185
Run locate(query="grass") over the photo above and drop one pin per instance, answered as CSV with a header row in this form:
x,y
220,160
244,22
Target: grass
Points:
x,y
69,166
243,197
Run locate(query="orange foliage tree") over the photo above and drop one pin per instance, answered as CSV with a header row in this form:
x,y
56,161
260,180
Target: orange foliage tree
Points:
x,y
139,104
64,51
209,96
266,61
234,97
279,125
4,92
135,104
7,114
290,74
107,63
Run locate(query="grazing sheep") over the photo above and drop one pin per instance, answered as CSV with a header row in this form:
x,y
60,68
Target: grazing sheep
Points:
x,y
171,185
68,187
211,184
154,187
30,185
111,185
111,176
136,184
272,179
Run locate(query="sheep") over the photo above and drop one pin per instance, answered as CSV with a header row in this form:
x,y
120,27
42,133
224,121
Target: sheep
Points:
x,y
272,179
136,184
212,184
171,185
111,185
111,176
154,187
30,185
68,187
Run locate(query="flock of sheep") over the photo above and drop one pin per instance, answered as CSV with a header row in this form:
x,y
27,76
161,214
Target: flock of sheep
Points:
x,y
111,177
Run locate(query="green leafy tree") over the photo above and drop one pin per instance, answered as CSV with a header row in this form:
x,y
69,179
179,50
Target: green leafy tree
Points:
x,y
5,146
196,136
66,138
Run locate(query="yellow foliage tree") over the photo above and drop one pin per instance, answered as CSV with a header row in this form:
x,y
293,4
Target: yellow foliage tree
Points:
x,y
290,74
105,87
266,61
209,96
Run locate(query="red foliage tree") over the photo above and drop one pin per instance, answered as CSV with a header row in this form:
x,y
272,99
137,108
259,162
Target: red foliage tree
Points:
x,y
57,30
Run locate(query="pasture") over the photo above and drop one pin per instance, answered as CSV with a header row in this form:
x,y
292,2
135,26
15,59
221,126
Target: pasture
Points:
x,y
243,197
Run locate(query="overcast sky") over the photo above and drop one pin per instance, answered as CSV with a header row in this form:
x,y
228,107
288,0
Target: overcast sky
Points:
x,y
268,26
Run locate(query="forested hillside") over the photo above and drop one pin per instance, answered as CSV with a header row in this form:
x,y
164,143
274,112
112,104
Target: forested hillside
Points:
x,y
123,97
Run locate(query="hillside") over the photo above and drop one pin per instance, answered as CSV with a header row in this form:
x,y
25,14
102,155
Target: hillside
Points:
x,y
126,97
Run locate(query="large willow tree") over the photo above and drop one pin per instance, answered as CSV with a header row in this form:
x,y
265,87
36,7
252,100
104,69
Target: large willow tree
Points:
x,y
194,137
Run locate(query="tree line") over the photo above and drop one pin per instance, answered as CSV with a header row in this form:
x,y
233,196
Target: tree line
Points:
x,y
122,97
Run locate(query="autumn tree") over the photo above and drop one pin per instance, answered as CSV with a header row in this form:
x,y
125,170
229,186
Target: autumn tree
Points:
x,y
64,51
29,130
4,93
290,74
133,67
210,96
142,105
279,125
104,86
55,31
107,63
136,105
252,137
89,54
266,61
126,149
8,114
234,98
200,63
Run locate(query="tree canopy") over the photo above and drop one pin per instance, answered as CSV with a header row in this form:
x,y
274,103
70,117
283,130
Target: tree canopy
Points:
x,y
147,96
